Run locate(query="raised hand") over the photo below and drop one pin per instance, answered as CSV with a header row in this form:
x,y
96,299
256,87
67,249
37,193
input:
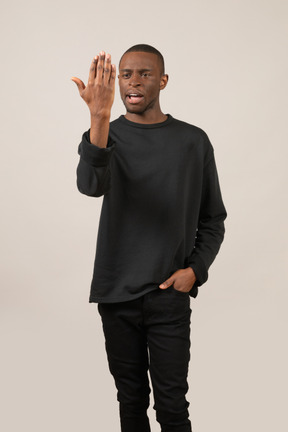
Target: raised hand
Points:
x,y
100,90
99,96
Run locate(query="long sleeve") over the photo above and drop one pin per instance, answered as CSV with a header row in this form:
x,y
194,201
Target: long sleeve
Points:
x,y
210,232
93,170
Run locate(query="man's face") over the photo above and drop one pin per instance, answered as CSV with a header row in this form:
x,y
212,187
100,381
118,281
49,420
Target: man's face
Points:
x,y
140,81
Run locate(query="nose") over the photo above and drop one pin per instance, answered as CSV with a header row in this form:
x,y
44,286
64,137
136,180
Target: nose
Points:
x,y
134,80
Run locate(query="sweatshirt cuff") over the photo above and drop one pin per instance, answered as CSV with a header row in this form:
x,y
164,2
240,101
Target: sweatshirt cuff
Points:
x,y
200,270
94,155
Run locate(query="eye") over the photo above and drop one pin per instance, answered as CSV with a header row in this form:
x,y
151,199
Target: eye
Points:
x,y
145,74
125,75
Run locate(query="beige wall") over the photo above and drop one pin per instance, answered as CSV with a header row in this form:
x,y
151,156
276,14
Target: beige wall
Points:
x,y
227,62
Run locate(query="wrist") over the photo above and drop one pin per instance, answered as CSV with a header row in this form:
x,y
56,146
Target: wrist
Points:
x,y
191,271
100,115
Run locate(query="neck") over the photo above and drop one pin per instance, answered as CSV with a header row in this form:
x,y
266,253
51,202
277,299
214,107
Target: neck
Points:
x,y
148,117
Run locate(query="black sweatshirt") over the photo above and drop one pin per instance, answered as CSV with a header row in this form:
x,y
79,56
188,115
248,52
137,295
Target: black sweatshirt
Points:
x,y
162,208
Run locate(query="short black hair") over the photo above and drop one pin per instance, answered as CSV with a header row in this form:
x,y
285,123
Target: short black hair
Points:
x,y
148,49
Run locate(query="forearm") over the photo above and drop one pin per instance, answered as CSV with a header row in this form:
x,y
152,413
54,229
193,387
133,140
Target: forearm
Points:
x,y
99,129
208,241
93,171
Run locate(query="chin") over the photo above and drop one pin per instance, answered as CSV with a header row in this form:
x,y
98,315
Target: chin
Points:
x,y
134,110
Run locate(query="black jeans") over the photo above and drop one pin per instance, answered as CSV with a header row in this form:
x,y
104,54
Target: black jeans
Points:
x,y
150,333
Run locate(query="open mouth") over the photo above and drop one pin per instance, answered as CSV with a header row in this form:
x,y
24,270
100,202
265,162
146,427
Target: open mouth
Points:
x,y
134,98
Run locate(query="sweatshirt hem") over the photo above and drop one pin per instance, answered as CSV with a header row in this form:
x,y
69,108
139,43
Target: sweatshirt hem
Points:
x,y
96,299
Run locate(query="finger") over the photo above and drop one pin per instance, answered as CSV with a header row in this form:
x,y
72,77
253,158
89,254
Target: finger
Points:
x,y
100,67
92,70
167,283
79,83
113,74
107,69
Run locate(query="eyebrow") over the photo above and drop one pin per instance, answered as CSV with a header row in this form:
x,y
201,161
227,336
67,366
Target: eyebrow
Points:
x,y
139,70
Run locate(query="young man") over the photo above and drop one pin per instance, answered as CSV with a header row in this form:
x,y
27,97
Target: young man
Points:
x,y
160,229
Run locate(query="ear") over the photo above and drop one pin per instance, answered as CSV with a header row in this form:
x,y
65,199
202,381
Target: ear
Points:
x,y
163,81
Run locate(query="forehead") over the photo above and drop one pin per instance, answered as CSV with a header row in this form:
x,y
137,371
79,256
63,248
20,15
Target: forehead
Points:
x,y
139,60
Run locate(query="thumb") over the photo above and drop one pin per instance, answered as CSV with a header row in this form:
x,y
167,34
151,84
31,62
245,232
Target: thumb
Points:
x,y
79,83
167,283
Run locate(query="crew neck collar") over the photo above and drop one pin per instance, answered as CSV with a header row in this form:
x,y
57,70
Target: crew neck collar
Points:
x,y
145,125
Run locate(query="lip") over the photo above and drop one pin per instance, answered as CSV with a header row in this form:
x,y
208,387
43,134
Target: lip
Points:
x,y
137,93
134,97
